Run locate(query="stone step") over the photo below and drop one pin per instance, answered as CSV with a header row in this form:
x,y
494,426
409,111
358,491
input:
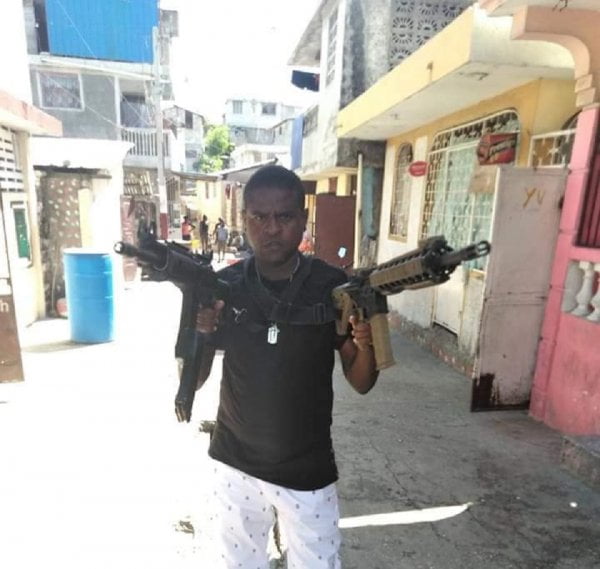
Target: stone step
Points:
x,y
581,457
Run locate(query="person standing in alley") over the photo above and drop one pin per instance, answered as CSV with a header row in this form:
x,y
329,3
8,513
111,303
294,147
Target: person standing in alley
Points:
x,y
221,237
271,450
204,243
186,229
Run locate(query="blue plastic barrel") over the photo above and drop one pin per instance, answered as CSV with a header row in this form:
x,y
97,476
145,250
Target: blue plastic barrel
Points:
x,y
90,295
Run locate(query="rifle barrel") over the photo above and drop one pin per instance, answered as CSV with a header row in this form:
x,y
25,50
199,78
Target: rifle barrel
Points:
x,y
145,255
474,251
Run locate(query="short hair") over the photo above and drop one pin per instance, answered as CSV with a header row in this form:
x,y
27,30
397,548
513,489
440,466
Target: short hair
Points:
x,y
274,176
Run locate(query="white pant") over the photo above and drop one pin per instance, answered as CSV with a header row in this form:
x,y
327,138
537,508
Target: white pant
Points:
x,y
243,514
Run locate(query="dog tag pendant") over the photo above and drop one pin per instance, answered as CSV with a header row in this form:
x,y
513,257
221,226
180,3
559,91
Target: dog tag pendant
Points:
x,y
272,334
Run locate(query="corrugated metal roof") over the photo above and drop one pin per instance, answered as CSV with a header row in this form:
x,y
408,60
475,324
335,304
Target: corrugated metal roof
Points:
x,y
111,29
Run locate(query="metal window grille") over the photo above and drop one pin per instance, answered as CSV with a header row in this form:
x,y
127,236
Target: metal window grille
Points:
x,y
450,208
11,175
552,149
401,196
331,46
60,90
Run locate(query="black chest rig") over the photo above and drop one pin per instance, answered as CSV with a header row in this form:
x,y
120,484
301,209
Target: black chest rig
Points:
x,y
257,307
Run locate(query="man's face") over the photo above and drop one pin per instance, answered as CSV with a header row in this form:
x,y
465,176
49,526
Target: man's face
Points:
x,y
274,224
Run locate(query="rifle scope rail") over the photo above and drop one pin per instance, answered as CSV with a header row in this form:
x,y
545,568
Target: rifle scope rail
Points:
x,y
431,264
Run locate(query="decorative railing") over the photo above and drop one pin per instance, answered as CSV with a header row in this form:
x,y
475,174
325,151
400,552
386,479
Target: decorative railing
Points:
x,y
552,149
144,141
582,293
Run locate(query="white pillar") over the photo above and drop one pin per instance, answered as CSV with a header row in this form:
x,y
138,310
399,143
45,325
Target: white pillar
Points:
x,y
584,296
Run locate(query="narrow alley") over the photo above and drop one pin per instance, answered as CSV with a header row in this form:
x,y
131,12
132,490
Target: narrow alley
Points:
x,y
99,474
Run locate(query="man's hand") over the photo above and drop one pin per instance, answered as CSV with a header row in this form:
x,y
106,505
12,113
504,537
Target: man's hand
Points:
x,y
207,319
361,334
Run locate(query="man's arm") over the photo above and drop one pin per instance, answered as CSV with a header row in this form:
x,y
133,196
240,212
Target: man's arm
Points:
x,y
358,358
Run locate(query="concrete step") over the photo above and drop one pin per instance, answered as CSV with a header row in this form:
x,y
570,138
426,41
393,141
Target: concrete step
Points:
x,y
581,457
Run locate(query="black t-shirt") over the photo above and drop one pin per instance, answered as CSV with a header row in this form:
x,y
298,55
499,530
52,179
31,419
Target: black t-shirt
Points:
x,y
274,417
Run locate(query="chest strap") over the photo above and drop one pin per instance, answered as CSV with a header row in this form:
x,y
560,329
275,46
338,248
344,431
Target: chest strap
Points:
x,y
283,310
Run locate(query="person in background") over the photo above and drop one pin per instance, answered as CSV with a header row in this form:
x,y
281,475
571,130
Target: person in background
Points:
x,y
204,242
186,229
221,236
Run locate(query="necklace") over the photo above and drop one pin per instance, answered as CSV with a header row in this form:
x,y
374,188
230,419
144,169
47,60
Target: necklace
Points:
x,y
273,330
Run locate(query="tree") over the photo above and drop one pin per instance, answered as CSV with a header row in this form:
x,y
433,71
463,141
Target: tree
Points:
x,y
217,149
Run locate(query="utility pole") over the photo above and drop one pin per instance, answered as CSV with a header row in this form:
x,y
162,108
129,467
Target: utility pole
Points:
x,y
157,97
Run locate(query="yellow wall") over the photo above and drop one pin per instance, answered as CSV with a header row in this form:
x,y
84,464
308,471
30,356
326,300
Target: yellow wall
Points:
x,y
543,105
212,206
323,186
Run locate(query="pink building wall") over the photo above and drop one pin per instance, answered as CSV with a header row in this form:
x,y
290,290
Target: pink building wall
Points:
x,y
566,389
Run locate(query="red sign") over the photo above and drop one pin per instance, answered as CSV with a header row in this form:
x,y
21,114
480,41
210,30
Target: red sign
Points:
x,y
497,148
418,168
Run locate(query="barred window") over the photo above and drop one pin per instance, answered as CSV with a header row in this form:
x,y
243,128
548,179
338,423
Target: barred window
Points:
x,y
401,196
451,208
60,90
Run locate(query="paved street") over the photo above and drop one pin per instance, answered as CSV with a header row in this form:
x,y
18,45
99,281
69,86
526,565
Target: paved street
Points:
x,y
97,473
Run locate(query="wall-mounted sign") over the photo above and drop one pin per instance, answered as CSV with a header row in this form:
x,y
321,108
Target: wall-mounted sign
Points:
x,y
497,148
418,168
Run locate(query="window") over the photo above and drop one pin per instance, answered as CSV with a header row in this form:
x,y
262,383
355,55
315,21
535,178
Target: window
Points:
x,y
238,107
135,112
206,190
331,46
450,208
268,108
189,120
22,231
401,196
60,91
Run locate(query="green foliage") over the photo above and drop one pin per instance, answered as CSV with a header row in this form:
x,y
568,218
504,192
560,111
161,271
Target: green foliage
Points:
x,y
217,149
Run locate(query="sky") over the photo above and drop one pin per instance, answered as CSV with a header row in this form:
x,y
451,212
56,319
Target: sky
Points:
x,y
236,48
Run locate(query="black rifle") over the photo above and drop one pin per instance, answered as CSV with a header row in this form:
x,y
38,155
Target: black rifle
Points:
x,y
193,275
364,295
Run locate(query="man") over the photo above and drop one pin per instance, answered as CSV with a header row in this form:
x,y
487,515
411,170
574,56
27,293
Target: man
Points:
x,y
186,228
272,445
204,235
221,235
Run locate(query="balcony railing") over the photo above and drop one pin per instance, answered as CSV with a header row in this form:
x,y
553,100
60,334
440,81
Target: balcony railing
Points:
x,y
582,293
144,142
552,149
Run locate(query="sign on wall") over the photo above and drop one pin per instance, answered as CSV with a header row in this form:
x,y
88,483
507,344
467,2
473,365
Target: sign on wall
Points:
x,y
497,148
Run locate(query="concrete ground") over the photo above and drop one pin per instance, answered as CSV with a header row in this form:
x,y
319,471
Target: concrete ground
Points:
x,y
95,471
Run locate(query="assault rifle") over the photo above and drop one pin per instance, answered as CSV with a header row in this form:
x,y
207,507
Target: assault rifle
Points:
x,y
364,295
193,275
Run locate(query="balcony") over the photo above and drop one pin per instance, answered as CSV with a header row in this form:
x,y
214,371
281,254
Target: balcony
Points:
x,y
144,153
